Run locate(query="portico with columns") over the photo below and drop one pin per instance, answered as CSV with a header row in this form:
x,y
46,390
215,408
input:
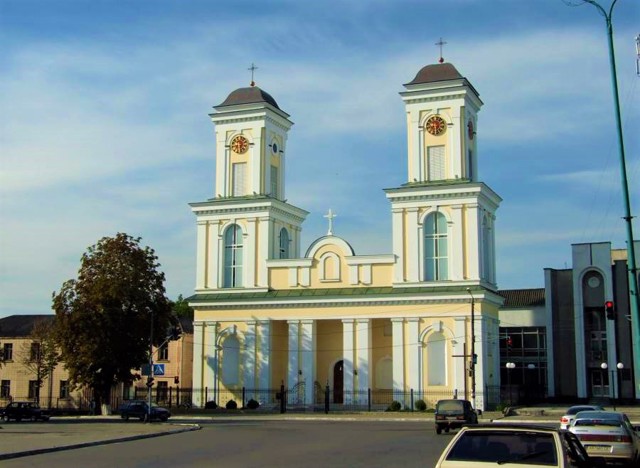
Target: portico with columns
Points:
x,y
268,314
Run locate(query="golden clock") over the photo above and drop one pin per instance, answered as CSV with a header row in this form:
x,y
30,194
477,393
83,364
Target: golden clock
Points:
x,y
240,144
436,125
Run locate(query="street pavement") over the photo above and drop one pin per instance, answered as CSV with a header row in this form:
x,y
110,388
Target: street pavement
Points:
x,y
71,432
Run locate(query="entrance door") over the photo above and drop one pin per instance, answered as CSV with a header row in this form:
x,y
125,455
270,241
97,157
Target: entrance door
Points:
x,y
599,383
338,382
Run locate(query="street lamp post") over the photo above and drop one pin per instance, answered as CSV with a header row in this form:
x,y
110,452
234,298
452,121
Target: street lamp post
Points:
x,y
631,257
612,379
509,366
473,349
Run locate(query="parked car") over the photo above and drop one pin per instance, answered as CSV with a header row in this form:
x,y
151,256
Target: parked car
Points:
x,y
608,434
452,414
521,445
26,410
140,409
566,419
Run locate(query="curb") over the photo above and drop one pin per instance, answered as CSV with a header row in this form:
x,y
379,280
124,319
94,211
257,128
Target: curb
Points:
x,y
26,453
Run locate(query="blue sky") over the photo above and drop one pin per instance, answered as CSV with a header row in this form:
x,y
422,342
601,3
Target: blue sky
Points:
x,y
105,128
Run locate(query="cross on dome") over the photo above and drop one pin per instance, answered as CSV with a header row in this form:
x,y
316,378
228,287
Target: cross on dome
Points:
x,y
440,43
330,215
252,69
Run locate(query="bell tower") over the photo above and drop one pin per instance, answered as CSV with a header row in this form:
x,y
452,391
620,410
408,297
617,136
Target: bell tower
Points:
x,y
248,221
443,216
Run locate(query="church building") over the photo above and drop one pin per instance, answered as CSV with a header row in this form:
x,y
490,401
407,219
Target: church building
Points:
x,y
419,320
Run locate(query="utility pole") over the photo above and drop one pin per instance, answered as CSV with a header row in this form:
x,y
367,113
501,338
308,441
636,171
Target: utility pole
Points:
x,y
473,349
631,256
150,378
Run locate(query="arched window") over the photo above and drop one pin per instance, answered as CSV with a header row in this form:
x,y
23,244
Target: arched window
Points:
x,y
436,359
233,257
231,361
436,251
284,243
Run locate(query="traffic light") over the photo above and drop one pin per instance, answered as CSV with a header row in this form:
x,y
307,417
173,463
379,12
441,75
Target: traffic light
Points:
x,y
150,381
174,333
609,309
176,380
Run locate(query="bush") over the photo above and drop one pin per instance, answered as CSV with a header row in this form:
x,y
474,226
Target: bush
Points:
x,y
210,405
252,404
394,406
421,405
231,404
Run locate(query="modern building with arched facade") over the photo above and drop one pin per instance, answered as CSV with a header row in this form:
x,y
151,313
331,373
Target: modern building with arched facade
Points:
x,y
268,313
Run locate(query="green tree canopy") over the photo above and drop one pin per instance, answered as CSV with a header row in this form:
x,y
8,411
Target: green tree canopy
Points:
x,y
181,308
104,317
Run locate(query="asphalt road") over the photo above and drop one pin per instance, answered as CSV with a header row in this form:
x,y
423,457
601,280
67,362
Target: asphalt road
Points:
x,y
281,444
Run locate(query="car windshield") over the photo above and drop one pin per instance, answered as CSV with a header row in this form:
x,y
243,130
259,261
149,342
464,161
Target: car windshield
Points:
x,y
505,447
597,422
450,405
577,409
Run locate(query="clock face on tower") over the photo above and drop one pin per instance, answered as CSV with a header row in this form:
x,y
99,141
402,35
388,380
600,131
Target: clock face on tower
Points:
x,y
240,144
436,125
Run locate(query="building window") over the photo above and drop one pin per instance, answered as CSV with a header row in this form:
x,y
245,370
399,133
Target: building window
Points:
x,y
436,358
34,354
64,389
487,262
7,352
239,179
274,181
163,352
231,361
5,389
435,163
284,243
33,389
233,257
436,252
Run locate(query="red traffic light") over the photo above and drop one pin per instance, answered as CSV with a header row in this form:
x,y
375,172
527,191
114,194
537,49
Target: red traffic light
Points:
x,y
609,309
609,304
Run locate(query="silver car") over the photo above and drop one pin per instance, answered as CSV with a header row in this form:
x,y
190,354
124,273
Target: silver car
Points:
x,y
607,434
566,418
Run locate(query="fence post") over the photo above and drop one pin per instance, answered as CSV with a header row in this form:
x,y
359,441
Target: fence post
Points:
x,y
369,399
326,399
243,396
205,395
412,399
282,399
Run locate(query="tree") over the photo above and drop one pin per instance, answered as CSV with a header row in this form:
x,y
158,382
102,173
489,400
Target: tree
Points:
x,y
40,356
181,308
107,318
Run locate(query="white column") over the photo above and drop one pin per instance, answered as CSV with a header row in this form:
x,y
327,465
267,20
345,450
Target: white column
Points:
x,y
457,248
211,368
263,355
398,244
308,358
198,345
364,356
201,255
414,348
348,359
481,369
460,363
473,242
413,246
249,261
213,255
398,358
294,344
249,353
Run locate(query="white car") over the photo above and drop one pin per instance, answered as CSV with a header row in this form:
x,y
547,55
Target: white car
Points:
x,y
566,419
517,445
607,434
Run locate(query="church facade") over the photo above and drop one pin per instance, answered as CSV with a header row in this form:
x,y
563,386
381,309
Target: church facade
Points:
x,y
422,318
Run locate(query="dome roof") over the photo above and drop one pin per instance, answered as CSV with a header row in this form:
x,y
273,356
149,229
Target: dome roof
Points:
x,y
249,95
436,72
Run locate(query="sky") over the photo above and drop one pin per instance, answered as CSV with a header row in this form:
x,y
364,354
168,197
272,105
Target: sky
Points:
x,y
104,124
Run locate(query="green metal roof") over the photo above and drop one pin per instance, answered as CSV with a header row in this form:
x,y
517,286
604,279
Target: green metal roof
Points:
x,y
378,292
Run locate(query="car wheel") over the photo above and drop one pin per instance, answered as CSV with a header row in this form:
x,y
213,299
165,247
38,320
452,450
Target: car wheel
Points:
x,y
438,430
18,419
446,429
126,417
164,418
